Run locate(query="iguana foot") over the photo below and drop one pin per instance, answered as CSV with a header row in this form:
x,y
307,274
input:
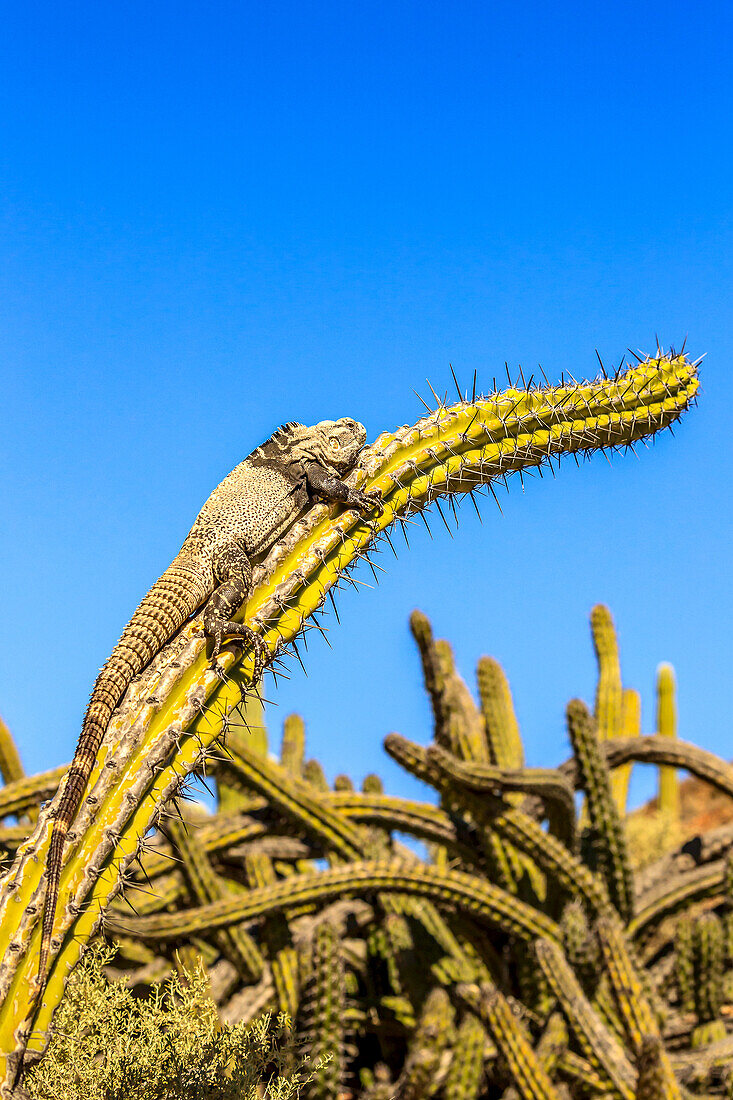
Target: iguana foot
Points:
x,y
218,634
365,502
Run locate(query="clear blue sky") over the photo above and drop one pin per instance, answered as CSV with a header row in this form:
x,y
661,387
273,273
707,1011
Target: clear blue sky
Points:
x,y
217,217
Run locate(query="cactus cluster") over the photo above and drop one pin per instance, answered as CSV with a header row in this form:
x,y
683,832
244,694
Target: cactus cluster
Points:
x,y
519,955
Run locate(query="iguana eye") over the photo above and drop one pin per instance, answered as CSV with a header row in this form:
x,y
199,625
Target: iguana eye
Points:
x,y
334,445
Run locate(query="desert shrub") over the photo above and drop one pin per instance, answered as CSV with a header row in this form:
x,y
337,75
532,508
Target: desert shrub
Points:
x,y
109,1045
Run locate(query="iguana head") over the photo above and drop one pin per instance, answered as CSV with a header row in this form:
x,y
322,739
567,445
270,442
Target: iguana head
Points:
x,y
332,443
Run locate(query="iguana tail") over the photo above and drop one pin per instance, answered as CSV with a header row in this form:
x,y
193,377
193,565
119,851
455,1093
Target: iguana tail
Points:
x,y
174,597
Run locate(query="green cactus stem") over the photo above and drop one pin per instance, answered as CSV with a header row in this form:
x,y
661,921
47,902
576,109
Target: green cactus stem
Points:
x,y
292,750
323,1013
420,1077
627,986
655,1081
669,789
609,691
500,721
465,1075
206,886
598,1044
457,722
484,902
528,1075
609,841
514,826
709,953
545,783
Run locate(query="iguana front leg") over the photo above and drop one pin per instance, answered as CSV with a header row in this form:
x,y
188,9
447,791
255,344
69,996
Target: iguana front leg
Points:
x,y
323,484
233,571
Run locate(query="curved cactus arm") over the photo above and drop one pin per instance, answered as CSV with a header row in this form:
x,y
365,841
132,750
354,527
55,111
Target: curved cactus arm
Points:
x,y
180,706
546,783
484,902
654,749
703,882
512,825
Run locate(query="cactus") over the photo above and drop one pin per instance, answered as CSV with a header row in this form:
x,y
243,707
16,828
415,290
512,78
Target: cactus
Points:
x,y
709,954
608,837
420,1077
669,794
206,886
684,961
609,692
656,1080
626,983
528,1075
465,1074
502,728
600,1047
292,751
323,1013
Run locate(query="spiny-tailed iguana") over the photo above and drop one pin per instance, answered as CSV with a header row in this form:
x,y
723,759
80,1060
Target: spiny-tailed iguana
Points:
x,y
240,521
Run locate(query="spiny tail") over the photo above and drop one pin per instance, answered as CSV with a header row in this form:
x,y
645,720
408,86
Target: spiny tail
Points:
x,y
163,611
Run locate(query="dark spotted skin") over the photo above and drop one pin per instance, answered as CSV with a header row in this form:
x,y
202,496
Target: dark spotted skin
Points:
x,y
240,521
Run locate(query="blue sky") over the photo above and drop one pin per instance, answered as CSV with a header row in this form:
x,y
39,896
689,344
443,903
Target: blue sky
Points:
x,y
217,217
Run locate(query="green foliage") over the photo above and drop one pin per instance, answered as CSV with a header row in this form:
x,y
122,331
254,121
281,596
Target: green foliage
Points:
x,y
109,1045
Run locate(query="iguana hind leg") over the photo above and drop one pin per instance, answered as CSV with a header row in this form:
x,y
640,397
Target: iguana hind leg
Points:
x,y
233,571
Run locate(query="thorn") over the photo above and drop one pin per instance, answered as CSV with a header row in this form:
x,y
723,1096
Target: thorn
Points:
x,y
296,651
496,499
521,375
603,369
473,391
638,358
417,395
440,403
423,517
437,505
391,545
458,388
333,605
547,383
473,501
509,377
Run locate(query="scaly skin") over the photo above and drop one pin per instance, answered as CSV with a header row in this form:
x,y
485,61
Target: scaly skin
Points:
x,y
251,508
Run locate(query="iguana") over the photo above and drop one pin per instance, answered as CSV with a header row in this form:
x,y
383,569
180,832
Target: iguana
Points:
x,y
238,524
